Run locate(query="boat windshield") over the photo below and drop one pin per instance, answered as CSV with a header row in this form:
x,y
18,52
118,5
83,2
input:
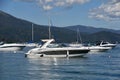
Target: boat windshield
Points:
x,y
1,43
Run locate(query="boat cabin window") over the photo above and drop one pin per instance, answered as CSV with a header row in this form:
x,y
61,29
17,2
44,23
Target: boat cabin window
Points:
x,y
105,43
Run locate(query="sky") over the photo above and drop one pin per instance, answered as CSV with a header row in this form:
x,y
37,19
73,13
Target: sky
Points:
x,y
96,13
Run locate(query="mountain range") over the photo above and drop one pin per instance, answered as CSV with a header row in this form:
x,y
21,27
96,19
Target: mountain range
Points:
x,y
91,30
13,29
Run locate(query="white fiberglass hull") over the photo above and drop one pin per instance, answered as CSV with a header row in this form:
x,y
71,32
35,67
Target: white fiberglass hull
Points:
x,y
52,56
56,52
99,49
11,47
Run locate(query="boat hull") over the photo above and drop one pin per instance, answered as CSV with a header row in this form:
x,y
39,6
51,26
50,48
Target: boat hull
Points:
x,y
11,49
109,45
99,49
58,53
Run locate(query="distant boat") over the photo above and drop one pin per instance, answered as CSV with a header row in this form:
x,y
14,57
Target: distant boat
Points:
x,y
78,43
107,44
11,46
45,51
92,48
31,43
102,46
95,48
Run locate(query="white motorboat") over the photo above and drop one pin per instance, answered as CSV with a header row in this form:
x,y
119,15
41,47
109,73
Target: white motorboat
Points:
x,y
97,48
45,51
107,44
11,47
102,46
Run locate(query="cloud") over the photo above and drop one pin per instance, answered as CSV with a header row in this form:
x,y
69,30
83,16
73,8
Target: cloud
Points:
x,y
51,4
109,11
60,3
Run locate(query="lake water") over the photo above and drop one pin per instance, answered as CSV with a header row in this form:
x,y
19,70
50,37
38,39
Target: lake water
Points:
x,y
94,66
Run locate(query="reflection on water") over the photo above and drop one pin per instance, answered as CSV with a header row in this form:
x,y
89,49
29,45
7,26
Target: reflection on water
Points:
x,y
94,66
47,68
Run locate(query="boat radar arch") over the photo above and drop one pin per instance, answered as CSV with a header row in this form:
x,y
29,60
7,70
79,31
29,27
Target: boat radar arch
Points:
x,y
48,41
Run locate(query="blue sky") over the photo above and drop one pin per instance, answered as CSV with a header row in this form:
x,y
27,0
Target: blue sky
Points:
x,y
97,13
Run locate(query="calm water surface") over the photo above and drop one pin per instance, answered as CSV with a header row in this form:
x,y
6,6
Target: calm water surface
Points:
x,y
94,66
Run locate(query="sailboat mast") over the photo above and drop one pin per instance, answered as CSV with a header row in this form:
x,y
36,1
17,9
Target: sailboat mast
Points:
x,y
78,36
49,29
32,33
